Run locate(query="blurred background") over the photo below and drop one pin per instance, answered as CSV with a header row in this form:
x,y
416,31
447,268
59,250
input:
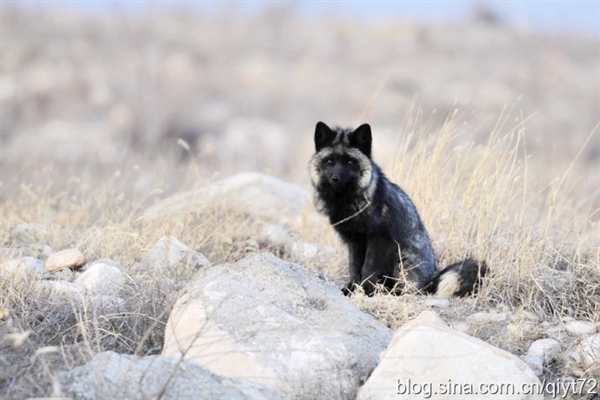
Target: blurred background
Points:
x,y
156,97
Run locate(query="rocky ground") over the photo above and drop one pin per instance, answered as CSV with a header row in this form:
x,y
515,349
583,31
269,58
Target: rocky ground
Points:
x,y
262,327
130,202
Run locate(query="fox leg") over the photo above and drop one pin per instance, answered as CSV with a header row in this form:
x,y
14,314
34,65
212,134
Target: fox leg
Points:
x,y
356,261
419,267
380,262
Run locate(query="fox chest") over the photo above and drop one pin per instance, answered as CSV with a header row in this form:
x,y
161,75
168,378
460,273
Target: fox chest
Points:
x,y
352,221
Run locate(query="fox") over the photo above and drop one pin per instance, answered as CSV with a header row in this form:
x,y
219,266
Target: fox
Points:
x,y
378,222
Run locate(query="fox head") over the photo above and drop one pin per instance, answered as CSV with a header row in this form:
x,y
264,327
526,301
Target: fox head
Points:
x,y
342,160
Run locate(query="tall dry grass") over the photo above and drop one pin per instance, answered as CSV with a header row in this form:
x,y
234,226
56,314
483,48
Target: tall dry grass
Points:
x,y
539,234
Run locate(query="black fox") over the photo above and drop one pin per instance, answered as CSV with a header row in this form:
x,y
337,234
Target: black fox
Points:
x,y
377,220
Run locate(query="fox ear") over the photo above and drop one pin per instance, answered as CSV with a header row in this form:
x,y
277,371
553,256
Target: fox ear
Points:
x,y
361,139
323,135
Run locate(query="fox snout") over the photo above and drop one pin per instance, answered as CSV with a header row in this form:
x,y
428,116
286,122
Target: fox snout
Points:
x,y
339,177
336,181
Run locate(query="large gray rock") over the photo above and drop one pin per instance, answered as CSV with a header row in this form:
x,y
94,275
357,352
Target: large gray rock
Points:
x,y
260,195
116,376
427,359
276,323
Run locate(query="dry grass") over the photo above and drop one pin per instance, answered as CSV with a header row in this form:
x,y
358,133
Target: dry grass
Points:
x,y
480,200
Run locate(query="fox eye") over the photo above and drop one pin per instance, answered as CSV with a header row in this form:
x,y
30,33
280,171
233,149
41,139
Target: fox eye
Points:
x,y
349,162
329,162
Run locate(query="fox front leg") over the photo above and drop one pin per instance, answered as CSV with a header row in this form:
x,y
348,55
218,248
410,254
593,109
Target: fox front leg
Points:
x,y
357,252
381,260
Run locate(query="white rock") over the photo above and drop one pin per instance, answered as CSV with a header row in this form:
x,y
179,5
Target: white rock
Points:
x,y
117,376
540,353
169,255
580,327
425,355
276,323
69,258
26,265
106,261
544,349
535,363
101,278
589,351
260,195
